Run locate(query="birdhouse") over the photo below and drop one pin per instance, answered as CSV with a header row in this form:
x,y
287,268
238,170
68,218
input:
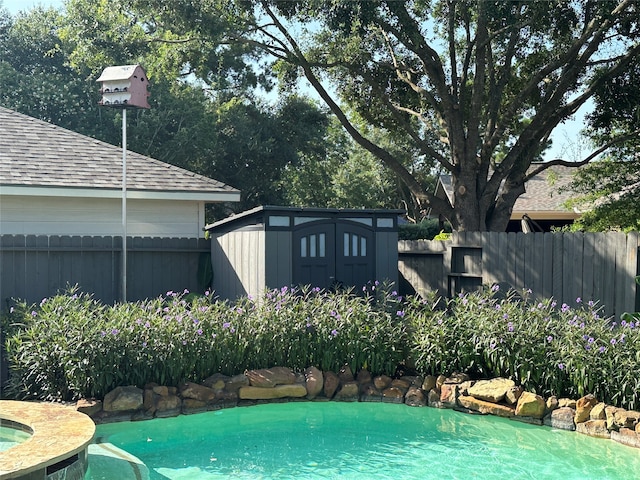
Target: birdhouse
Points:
x,y
124,86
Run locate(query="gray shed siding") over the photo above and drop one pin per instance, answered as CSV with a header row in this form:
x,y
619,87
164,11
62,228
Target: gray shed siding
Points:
x,y
238,260
256,250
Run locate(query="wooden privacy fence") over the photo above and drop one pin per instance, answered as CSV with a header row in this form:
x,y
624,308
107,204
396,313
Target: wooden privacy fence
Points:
x,y
34,267
592,266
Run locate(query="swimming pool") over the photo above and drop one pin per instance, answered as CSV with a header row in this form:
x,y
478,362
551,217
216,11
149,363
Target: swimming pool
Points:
x,y
313,440
12,434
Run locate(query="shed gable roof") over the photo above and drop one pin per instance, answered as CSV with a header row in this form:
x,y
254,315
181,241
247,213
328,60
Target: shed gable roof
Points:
x,y
34,153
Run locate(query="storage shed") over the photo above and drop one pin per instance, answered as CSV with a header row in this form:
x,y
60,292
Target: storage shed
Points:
x,y
271,247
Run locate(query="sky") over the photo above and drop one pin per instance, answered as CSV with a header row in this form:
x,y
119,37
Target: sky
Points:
x,y
567,143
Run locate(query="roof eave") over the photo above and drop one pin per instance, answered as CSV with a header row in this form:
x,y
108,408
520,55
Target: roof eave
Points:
x,y
230,195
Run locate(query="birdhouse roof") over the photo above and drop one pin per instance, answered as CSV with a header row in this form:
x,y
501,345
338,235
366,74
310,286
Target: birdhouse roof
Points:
x,y
122,72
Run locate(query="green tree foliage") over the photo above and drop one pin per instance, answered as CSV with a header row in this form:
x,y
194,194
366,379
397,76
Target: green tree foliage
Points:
x,y
475,86
610,189
288,153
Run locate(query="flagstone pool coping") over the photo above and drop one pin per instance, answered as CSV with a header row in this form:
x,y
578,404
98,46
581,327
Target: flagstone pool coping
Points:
x,y
59,433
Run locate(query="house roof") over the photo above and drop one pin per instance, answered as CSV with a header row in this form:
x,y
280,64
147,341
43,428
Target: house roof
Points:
x,y
543,199
38,158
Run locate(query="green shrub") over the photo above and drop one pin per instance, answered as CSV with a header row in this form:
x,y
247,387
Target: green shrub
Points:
x,y
548,348
70,346
427,229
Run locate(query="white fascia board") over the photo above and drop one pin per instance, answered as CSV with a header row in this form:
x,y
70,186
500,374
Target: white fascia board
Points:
x,y
231,196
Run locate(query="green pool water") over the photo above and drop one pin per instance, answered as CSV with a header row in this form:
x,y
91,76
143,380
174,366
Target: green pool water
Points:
x,y
10,437
324,440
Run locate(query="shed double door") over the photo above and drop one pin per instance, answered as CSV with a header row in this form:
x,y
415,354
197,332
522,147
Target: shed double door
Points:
x,y
328,254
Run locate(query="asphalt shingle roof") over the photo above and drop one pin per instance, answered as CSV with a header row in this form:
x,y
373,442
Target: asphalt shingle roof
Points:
x,y
39,154
544,192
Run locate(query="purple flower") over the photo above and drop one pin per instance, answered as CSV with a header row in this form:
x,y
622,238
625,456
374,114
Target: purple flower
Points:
x,y
226,325
591,340
115,331
549,338
400,313
43,301
139,321
495,288
147,324
185,291
199,331
613,341
184,342
334,332
587,347
565,308
394,294
498,307
591,303
34,313
561,366
553,304
578,300
601,349
170,293
103,333
439,321
510,326
232,330
144,344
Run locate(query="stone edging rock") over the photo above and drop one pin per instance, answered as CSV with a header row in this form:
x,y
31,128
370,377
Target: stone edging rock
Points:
x,y
498,396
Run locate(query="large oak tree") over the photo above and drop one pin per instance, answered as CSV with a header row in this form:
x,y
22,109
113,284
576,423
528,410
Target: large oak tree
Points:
x,y
476,86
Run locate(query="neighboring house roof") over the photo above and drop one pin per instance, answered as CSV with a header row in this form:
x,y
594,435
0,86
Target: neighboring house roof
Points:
x,y
38,158
544,198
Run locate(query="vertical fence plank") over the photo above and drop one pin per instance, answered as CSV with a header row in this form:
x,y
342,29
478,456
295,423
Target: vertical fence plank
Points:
x,y
588,264
547,267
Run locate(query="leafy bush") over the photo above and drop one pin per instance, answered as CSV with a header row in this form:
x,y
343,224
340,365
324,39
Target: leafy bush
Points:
x,y
427,229
548,348
70,345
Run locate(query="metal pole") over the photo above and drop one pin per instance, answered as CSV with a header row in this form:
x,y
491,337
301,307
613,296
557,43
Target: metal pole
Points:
x,y
124,205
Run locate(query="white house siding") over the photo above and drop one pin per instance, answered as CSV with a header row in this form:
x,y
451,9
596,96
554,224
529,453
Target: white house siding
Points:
x,y
22,215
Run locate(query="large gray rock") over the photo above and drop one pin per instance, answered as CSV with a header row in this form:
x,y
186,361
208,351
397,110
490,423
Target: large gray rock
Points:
x,y
594,428
493,390
626,436
123,399
561,418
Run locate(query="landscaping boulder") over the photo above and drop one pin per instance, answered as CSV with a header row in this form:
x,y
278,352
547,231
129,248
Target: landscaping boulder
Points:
x,y
217,381
561,418
382,382
270,377
348,392
393,395
491,390
89,406
448,395
530,405
314,381
433,398
197,392
345,374
483,406
415,397
369,393
513,394
331,383
123,399
428,383
295,390
626,436
594,428
583,408
235,382
364,377
597,412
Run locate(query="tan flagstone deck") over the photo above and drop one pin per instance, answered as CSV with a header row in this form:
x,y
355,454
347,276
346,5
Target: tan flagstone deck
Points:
x,y
59,432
